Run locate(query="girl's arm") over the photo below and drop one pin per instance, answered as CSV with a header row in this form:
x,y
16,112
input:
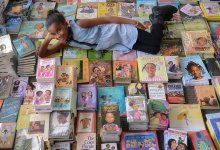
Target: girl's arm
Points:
x,y
85,23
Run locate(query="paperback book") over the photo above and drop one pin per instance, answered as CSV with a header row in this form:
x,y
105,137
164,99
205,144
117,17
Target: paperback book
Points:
x,y
19,86
126,10
107,9
29,93
99,55
86,122
137,89
120,56
143,8
156,91
173,67
13,24
72,52
5,86
87,10
7,135
175,92
5,45
86,141
67,10
106,146
213,66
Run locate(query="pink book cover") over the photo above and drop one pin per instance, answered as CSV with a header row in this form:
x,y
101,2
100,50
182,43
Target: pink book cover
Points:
x,y
46,68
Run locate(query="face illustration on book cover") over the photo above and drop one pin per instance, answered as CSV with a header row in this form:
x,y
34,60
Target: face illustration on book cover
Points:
x,y
137,89
173,65
36,127
43,94
87,98
200,43
46,69
191,10
65,76
7,131
85,122
195,70
123,70
29,94
40,9
151,69
62,98
109,146
127,9
173,144
19,87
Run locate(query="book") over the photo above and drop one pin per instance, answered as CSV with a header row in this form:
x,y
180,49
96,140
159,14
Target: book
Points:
x,y
72,52
121,72
40,10
186,117
106,146
66,76
60,145
216,84
213,126
136,109
175,92
101,73
99,55
10,109
46,70
67,10
13,24
174,30
152,69
19,86
39,126
173,67
87,10
7,135
107,9
86,141
33,29
2,30
5,86
109,95
143,8
87,97
201,140
126,10
213,65
29,93
191,10
23,122
86,122
82,68
5,45
24,46
156,91
137,89
120,56
26,110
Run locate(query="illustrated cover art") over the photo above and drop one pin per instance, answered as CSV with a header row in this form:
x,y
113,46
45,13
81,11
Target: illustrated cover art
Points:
x,y
5,86
19,86
87,97
99,55
213,66
215,130
193,69
7,132
140,140
175,93
72,52
67,10
87,10
126,9
101,73
29,93
137,89
152,68
120,56
143,8
82,68
174,30
201,140
186,117
191,10
122,72
5,44
17,8
107,9
33,29
173,67
109,95
156,91
86,141
40,10
13,24
86,122
211,8
136,108
62,99
206,96
66,76
46,68
215,29
106,146
60,124
24,46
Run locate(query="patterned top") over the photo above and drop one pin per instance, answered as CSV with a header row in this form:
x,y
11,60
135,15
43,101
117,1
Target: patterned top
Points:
x,y
119,37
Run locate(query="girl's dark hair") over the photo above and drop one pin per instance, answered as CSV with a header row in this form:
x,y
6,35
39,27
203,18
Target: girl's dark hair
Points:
x,y
148,64
170,142
193,64
54,16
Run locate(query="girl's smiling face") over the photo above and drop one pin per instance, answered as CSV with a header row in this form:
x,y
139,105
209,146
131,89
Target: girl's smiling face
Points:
x,y
59,30
151,69
196,72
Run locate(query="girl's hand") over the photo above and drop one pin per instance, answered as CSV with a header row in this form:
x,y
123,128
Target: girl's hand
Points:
x,y
141,26
50,37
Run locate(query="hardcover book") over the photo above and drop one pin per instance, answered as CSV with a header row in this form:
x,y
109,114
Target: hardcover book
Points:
x,y
72,52
19,86
87,97
99,55
156,91
126,10
175,93
107,9
120,56
137,89
5,86
101,73
7,135
86,122
87,10
86,141
173,67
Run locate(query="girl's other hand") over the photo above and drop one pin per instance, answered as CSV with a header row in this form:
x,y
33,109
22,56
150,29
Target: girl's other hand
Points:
x,y
141,26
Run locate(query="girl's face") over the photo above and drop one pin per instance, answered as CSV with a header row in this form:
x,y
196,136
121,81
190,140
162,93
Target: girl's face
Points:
x,y
59,30
40,93
83,94
163,116
48,93
109,118
202,42
181,147
135,107
29,87
173,145
61,119
158,115
151,69
196,72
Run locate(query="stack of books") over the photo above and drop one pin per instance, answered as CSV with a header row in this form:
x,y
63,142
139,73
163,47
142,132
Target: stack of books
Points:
x,y
211,11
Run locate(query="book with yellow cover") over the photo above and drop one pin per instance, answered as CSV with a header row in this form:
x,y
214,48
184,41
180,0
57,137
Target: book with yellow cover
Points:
x,y
82,68
211,10
26,110
107,9
152,69
23,122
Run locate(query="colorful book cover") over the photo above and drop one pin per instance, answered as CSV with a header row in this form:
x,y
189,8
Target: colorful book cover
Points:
x,y
60,124
40,10
33,29
19,86
193,69
67,10
86,141
5,86
143,8
191,10
72,2
26,110
13,23
174,30
24,46
152,69
140,140
215,28
107,9
173,67
156,91
73,52
86,122
82,68
175,93
66,76
109,95
87,97
17,8
101,73
206,97
201,140
63,98
137,89
29,93
126,10
99,55
46,69
186,117
87,10
215,123
120,56
5,44
7,135
106,146
213,66
136,109
216,84
211,9
10,109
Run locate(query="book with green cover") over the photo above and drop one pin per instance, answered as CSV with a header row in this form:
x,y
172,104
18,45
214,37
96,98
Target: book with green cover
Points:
x,y
100,55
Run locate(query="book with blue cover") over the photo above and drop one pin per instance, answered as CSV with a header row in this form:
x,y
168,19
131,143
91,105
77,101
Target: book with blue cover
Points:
x,y
13,24
109,95
215,124
10,109
2,30
67,10
74,52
